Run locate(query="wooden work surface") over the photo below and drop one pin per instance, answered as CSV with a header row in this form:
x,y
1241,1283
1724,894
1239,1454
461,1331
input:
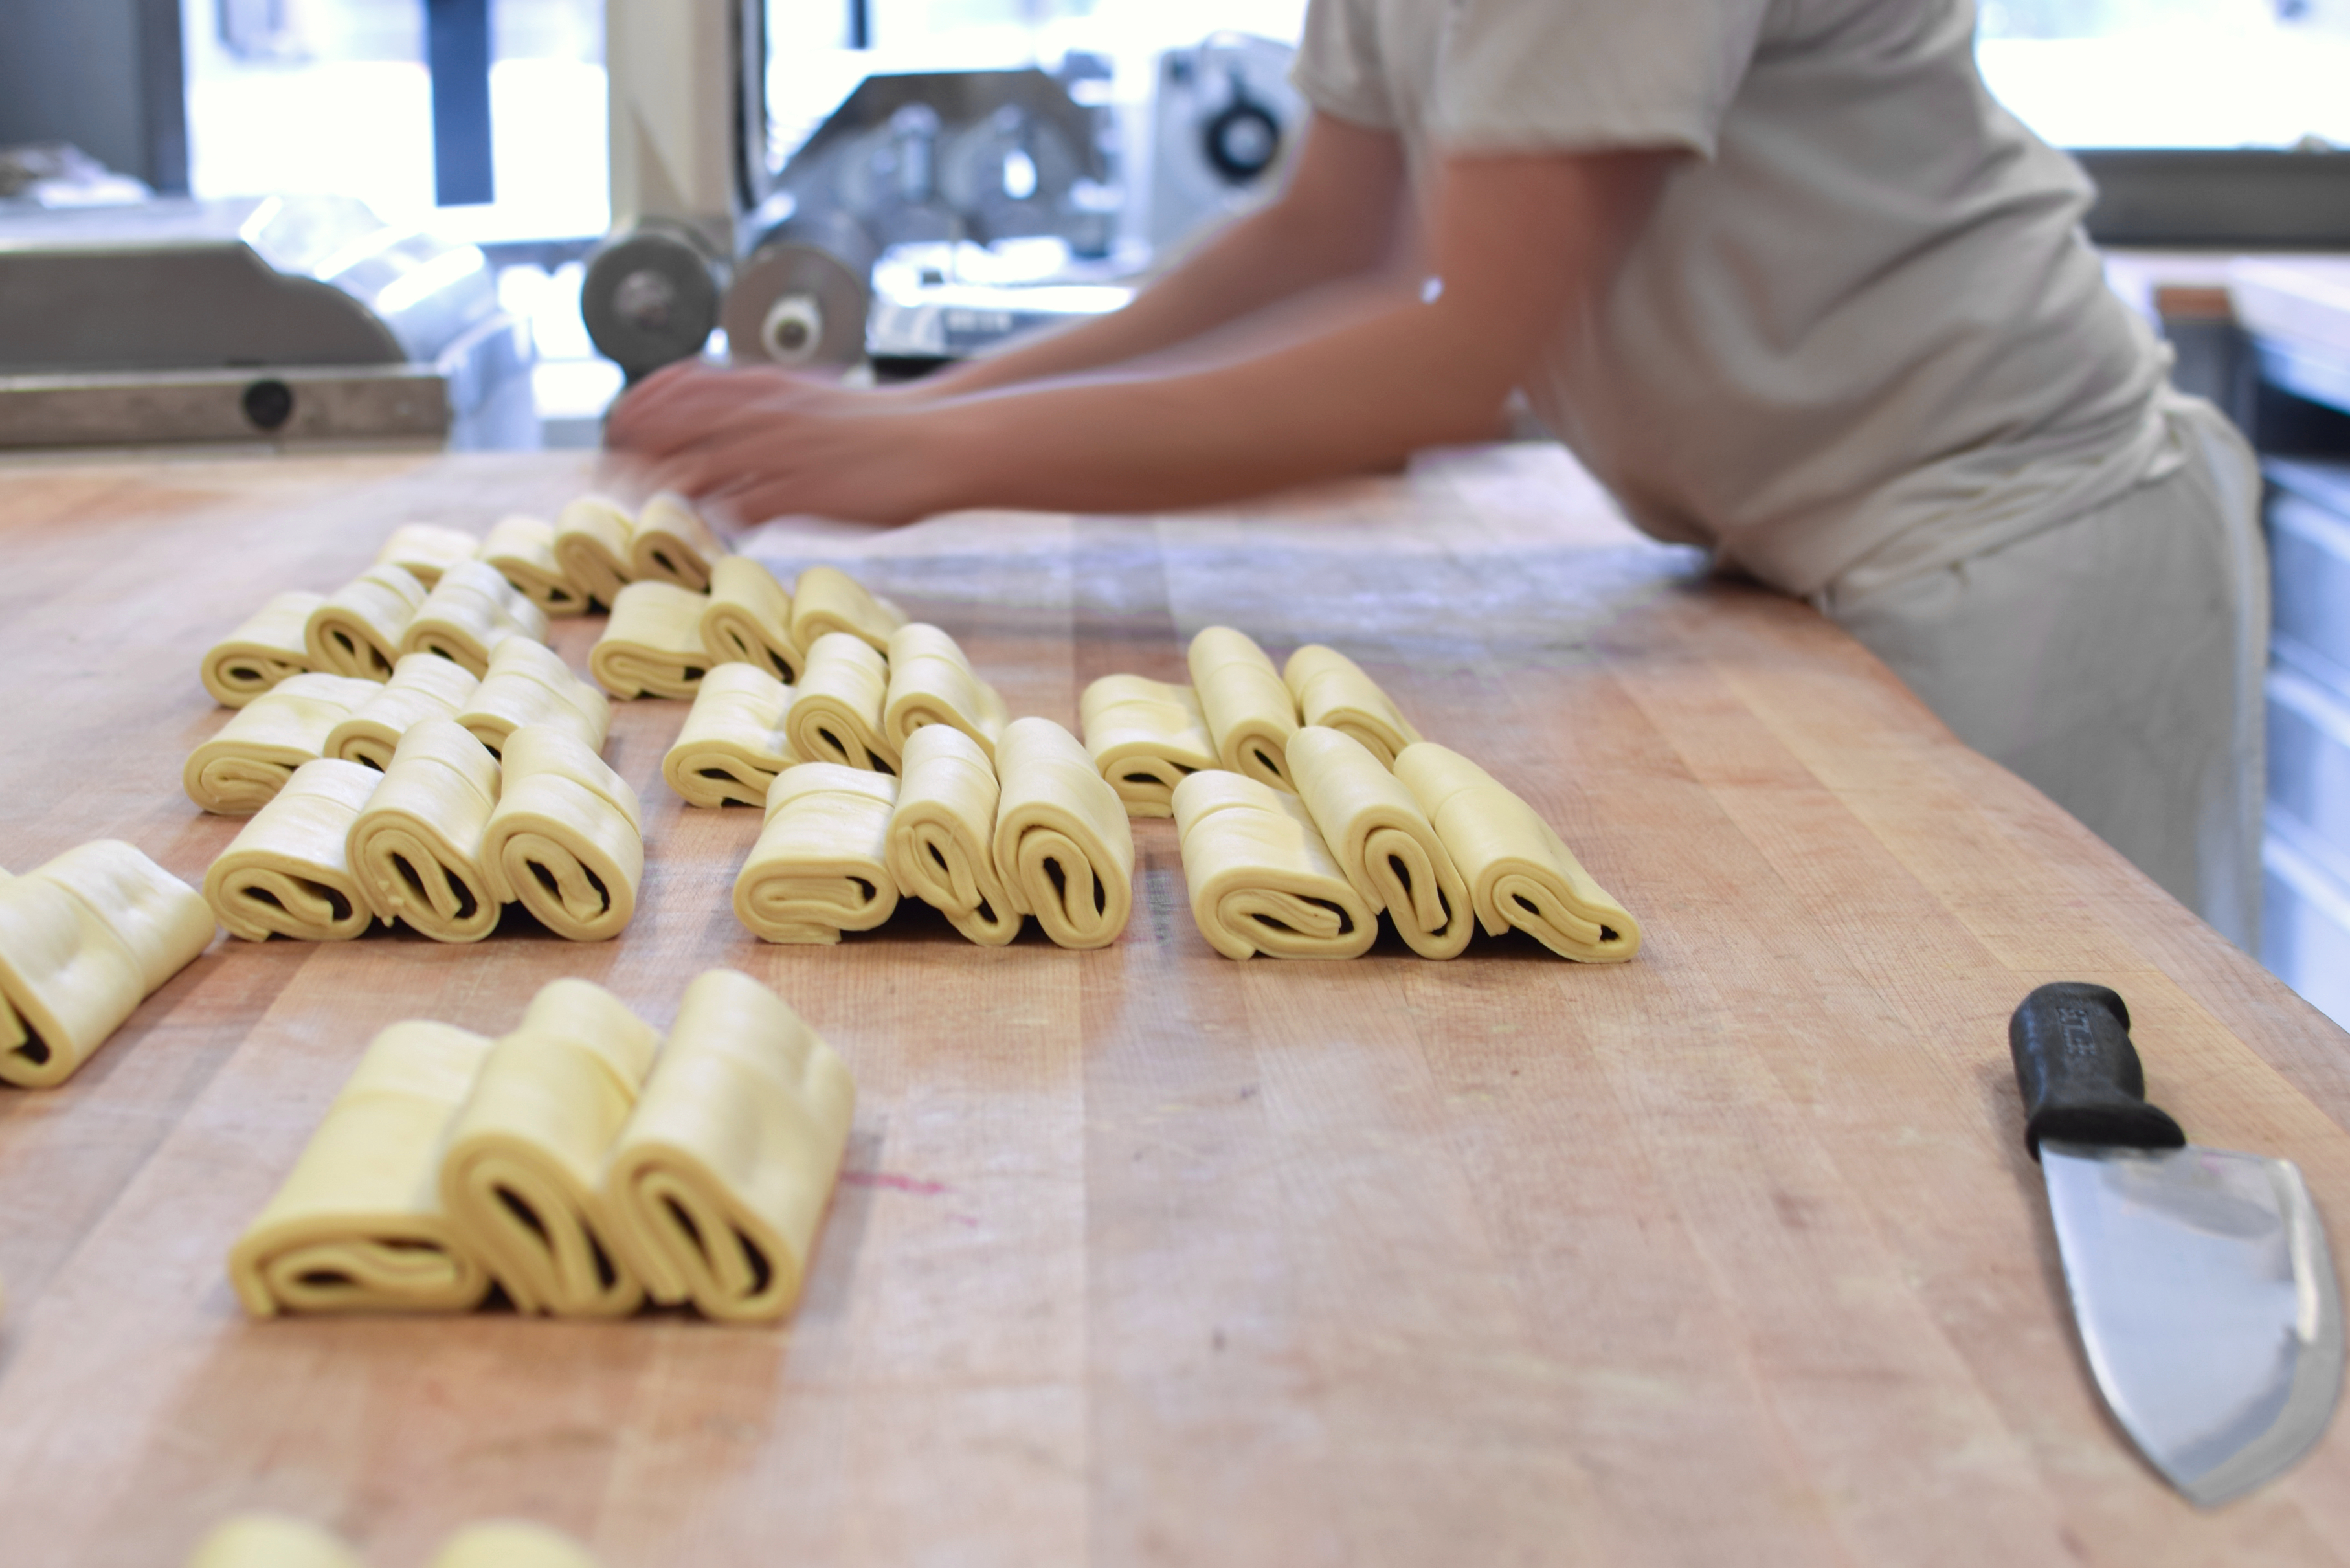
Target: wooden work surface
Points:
x,y
1729,1255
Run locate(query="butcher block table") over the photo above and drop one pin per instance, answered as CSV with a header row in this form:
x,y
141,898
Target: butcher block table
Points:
x,y
1731,1254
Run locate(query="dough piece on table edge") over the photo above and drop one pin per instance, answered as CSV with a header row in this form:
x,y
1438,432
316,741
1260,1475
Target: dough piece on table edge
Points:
x,y
416,848
427,550
511,1543
357,631
1248,708
528,683
241,768
827,599
422,686
473,610
942,834
733,744
1063,845
1519,871
84,940
287,872
670,543
522,548
1332,691
357,1225
272,1541
932,682
652,643
1260,878
565,839
266,647
821,866
1382,840
519,1172
591,545
1144,737
836,707
748,619
718,1184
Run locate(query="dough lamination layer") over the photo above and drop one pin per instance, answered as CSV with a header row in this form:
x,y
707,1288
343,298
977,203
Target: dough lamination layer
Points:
x,y
1145,736
1383,841
821,865
241,769
748,619
733,744
287,872
653,644
1261,879
1332,691
1249,709
565,840
1063,845
836,707
422,686
416,848
942,834
358,630
266,650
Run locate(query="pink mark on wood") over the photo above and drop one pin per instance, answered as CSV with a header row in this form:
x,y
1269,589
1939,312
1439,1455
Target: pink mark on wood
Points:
x,y
895,1182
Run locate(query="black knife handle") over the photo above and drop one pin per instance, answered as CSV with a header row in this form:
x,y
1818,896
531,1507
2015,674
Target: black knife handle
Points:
x,y
2080,1074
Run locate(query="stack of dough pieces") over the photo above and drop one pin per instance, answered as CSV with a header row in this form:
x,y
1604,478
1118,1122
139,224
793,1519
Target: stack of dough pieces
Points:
x,y
1261,879
1332,691
717,1187
84,940
826,600
426,550
837,709
1063,845
1518,871
932,682
941,846
733,744
288,872
523,550
416,848
748,619
422,686
591,546
241,768
1249,710
528,683
266,649
358,630
670,543
1384,843
358,1224
565,839
470,612
519,1174
1145,736
652,643
821,865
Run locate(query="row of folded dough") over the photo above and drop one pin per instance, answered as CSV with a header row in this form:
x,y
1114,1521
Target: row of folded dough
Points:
x,y
276,1541
579,1163
662,639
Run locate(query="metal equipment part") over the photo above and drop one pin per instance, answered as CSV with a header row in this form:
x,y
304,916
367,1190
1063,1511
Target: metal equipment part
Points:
x,y
803,297
1225,123
651,295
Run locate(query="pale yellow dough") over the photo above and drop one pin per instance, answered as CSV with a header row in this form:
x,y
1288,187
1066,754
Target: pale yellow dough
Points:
x,y
416,848
1062,842
836,707
652,644
519,1171
1520,873
827,599
262,651
83,940
565,839
942,834
288,872
671,544
1332,691
591,545
733,744
1260,878
272,1541
243,767
720,1181
1249,709
522,548
932,682
511,1543
357,1225
426,550
528,683
1145,736
422,686
470,612
1384,842
748,619
822,862
357,630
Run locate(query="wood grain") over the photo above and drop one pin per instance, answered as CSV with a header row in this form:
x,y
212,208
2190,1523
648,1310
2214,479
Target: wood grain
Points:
x,y
1729,1255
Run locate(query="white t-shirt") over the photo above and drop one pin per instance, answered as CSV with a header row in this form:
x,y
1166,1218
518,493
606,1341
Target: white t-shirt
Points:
x,y
1862,333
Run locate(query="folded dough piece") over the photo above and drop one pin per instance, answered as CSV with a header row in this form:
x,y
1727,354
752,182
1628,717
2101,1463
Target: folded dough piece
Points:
x,y
932,682
836,707
591,545
262,651
422,686
1259,877
733,744
671,544
1383,841
239,770
652,644
523,550
528,683
416,848
357,1225
1145,736
1249,709
1062,842
718,1182
826,600
749,618
83,940
357,630
511,1543
272,1541
565,839
942,834
822,862
427,550
288,872
1332,691
1519,872
473,610
518,1173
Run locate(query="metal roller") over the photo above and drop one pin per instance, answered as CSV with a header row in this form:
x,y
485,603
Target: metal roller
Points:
x,y
651,295
800,299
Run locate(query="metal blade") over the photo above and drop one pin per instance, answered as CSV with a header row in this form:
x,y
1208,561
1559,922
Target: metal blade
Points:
x,y
2207,1303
